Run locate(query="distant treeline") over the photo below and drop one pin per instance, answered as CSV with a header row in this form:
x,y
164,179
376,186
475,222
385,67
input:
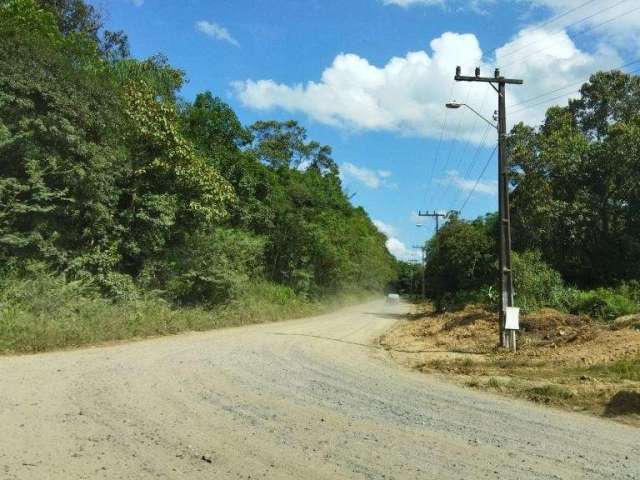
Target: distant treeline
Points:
x,y
108,176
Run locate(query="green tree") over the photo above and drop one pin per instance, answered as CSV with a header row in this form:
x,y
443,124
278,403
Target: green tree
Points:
x,y
461,258
78,17
575,197
58,129
208,268
283,144
171,189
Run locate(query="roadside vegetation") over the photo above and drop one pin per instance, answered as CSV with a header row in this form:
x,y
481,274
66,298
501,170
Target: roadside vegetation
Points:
x,y
41,310
126,210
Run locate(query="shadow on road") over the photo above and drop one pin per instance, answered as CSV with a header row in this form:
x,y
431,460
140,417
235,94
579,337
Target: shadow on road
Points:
x,y
324,338
396,316
371,346
623,403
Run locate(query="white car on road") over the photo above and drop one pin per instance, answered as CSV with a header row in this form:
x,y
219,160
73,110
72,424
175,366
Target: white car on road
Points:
x,y
393,298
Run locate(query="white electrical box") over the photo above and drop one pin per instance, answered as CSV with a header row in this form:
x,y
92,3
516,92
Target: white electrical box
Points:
x,y
512,318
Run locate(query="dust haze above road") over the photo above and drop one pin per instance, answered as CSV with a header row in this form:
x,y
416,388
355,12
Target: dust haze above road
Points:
x,y
304,399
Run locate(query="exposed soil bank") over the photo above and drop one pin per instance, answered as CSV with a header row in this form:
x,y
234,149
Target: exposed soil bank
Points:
x,y
564,360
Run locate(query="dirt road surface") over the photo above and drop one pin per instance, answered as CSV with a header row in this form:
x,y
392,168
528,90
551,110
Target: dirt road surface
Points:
x,y
305,399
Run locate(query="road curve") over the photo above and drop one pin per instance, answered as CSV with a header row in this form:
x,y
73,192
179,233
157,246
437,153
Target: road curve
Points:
x,y
304,399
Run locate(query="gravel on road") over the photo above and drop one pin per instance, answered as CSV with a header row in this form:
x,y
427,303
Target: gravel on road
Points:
x,y
304,399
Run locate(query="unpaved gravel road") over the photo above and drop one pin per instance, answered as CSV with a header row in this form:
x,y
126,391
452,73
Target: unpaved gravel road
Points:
x,y
305,399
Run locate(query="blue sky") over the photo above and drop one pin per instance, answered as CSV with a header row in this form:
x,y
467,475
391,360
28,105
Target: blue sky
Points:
x,y
370,77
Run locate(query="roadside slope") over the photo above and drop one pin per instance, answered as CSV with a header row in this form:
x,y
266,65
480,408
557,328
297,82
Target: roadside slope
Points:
x,y
306,399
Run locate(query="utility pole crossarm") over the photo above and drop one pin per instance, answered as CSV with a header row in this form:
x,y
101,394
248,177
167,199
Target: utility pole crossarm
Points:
x,y
477,78
436,215
466,78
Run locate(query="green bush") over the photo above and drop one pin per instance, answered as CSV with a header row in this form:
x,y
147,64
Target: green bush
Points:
x,y
267,301
620,370
536,284
461,259
208,269
549,392
603,303
485,296
630,290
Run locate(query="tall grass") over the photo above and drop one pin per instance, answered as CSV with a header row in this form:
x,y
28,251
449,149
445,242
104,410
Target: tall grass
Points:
x,y
43,311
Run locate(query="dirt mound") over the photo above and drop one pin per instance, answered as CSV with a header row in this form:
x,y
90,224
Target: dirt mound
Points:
x,y
477,328
548,333
550,327
469,317
549,319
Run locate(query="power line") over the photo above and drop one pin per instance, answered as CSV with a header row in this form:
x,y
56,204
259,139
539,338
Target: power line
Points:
x,y
484,169
550,20
553,19
556,97
547,22
524,102
455,136
475,156
566,27
529,55
465,148
620,67
427,189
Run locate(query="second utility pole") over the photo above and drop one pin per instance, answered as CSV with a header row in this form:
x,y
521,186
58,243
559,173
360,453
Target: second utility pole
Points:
x,y
424,266
435,215
506,277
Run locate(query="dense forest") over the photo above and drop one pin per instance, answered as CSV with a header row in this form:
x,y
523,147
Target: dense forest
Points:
x,y
111,181
575,193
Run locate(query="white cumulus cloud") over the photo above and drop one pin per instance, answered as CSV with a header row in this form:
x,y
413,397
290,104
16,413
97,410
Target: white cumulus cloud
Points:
x,y
618,20
409,3
388,230
407,94
395,246
485,187
371,178
547,70
213,30
399,250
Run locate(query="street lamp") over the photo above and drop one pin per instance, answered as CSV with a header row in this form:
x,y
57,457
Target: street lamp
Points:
x,y
455,105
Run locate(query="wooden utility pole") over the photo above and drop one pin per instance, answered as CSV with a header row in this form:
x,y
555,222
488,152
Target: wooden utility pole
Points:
x,y
423,249
506,277
437,216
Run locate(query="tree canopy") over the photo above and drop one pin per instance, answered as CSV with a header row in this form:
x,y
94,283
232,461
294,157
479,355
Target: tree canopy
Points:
x,y
576,183
107,174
